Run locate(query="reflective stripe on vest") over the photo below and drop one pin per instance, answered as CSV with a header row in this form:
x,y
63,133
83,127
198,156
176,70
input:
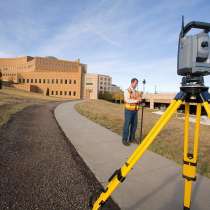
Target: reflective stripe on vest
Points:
x,y
132,107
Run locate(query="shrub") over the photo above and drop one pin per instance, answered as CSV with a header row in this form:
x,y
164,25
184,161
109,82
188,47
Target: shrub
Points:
x,y
105,96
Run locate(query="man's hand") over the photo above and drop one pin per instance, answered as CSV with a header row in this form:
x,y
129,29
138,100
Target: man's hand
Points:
x,y
136,96
142,102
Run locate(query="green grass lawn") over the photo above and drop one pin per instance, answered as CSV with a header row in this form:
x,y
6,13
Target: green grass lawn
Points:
x,y
169,142
13,100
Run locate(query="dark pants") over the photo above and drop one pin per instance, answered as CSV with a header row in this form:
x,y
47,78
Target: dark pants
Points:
x,y
130,125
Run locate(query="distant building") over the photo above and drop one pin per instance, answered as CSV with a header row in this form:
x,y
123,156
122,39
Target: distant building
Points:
x,y
105,83
91,86
115,88
95,83
157,100
46,75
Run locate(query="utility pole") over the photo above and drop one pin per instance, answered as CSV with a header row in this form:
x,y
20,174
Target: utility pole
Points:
x,y
155,89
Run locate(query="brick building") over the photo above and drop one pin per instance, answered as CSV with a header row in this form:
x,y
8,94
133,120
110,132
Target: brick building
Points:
x,y
46,75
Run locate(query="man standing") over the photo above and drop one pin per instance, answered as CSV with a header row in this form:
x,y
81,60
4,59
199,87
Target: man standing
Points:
x,y
131,100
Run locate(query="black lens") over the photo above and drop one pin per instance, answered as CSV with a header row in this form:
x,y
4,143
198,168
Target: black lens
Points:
x,y
204,44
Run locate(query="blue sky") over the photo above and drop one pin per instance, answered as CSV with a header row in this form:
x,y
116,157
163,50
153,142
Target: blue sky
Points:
x,y
122,38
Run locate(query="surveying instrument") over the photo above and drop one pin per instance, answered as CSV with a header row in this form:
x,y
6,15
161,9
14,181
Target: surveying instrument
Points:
x,y
193,63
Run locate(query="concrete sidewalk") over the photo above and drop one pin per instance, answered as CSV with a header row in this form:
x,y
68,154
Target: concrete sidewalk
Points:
x,y
155,183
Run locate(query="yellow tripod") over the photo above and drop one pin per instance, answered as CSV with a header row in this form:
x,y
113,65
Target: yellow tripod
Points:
x,y
198,95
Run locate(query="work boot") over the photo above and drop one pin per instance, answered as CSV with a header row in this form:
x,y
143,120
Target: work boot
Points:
x,y
126,143
135,141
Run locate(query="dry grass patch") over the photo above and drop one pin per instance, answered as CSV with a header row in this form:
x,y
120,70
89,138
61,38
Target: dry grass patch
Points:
x,y
13,100
13,93
6,111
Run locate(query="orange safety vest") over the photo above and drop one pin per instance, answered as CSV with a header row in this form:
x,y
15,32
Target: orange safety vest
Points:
x,y
132,106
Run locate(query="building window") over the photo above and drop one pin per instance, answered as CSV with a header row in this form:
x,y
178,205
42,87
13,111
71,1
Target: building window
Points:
x,y
61,93
40,81
56,81
43,80
56,93
52,92
65,93
52,81
61,81
23,80
19,80
35,80
65,81
70,93
32,81
74,93
70,81
89,83
27,80
74,81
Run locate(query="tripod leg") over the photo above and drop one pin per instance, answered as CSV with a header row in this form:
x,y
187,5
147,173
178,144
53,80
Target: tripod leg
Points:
x,y
207,108
205,96
190,160
120,174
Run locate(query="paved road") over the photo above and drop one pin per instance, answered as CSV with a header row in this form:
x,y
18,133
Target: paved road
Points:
x,y
155,183
39,167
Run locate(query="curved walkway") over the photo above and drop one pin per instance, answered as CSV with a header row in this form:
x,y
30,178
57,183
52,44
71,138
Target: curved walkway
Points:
x,y
155,183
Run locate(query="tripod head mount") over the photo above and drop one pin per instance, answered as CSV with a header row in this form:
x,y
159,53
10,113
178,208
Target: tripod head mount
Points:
x,y
193,84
